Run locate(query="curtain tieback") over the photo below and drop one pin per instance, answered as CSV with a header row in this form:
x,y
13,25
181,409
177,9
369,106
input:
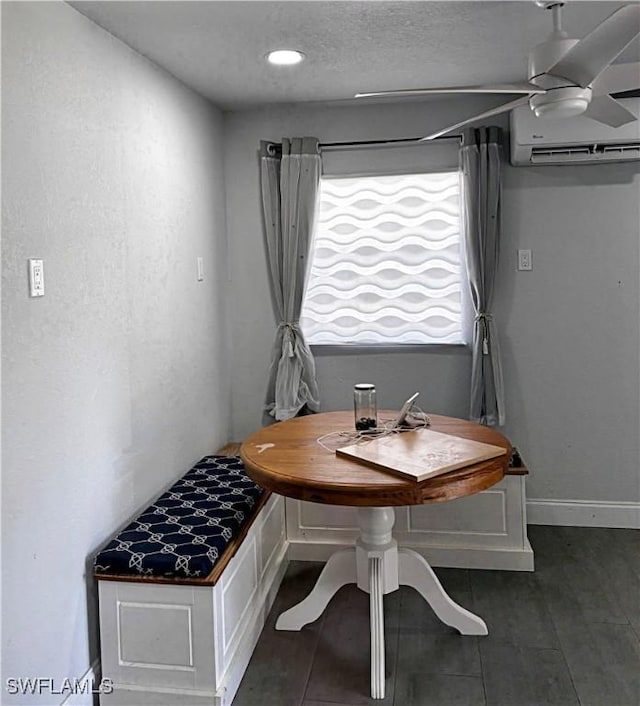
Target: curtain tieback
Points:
x,y
485,317
290,330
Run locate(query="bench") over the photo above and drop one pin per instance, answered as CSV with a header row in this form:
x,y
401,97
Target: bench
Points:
x,y
487,530
184,589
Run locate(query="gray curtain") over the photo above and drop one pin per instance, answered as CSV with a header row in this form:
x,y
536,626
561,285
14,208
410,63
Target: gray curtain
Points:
x,y
290,180
480,165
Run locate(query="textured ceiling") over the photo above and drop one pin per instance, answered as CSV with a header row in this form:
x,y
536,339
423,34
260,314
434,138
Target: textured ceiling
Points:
x,y
218,48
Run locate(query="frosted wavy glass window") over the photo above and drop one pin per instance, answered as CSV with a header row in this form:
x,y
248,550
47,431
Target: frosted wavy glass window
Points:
x,y
386,262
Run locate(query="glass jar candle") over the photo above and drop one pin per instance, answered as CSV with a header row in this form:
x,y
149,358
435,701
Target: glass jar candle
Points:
x,y
364,406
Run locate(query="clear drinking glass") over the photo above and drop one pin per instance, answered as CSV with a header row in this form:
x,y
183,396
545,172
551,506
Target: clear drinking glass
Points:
x,y
364,406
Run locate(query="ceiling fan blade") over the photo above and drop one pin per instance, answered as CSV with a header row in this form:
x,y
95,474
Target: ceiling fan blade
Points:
x,y
523,87
586,60
607,110
617,78
487,114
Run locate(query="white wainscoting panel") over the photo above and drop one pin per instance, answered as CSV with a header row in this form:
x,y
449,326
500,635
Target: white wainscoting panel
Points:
x,y
312,520
173,622
273,534
486,530
135,650
484,513
239,584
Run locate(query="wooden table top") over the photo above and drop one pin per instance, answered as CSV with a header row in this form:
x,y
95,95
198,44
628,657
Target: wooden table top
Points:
x,y
286,458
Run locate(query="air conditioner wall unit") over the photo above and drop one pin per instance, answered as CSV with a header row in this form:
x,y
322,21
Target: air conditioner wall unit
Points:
x,y
579,140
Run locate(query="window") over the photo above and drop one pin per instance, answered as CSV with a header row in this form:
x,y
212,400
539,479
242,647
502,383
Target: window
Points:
x,y
386,265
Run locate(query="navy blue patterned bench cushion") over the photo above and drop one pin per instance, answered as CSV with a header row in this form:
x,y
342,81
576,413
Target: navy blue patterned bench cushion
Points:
x,y
184,532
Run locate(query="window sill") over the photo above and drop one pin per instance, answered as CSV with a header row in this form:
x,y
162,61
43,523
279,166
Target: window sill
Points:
x,y
321,349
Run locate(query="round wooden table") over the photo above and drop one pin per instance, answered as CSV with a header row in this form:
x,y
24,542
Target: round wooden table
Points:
x,y
287,458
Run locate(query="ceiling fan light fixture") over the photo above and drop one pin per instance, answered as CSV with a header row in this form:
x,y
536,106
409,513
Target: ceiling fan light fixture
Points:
x,y
285,57
561,102
562,73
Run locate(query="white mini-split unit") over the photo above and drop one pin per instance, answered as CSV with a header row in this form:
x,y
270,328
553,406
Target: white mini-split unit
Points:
x,y
577,140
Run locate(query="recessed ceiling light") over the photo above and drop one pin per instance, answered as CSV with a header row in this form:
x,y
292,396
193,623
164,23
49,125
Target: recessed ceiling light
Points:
x,y
285,57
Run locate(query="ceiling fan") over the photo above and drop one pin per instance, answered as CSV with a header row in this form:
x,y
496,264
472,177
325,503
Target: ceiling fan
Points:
x,y
567,76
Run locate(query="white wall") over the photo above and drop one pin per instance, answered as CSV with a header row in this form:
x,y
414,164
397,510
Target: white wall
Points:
x,y
569,328
117,380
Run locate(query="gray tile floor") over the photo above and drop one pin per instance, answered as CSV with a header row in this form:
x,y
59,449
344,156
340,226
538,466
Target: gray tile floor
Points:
x,y
566,634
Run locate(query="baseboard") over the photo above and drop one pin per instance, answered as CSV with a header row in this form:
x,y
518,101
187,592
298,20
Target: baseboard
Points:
x,y
85,688
493,559
133,695
583,513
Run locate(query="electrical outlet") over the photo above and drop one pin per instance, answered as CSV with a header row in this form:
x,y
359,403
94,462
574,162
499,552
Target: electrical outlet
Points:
x,y
36,278
524,260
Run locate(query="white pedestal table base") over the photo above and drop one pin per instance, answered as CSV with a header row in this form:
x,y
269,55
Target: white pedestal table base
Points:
x,y
378,567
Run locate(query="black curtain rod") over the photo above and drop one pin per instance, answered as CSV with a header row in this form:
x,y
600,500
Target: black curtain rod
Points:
x,y
409,140
275,147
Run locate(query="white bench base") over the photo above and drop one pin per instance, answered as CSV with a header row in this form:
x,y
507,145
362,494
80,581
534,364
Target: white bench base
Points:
x,y
179,645
487,530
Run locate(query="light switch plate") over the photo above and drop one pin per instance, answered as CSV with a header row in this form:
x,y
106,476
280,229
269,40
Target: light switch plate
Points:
x,y
36,278
524,260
